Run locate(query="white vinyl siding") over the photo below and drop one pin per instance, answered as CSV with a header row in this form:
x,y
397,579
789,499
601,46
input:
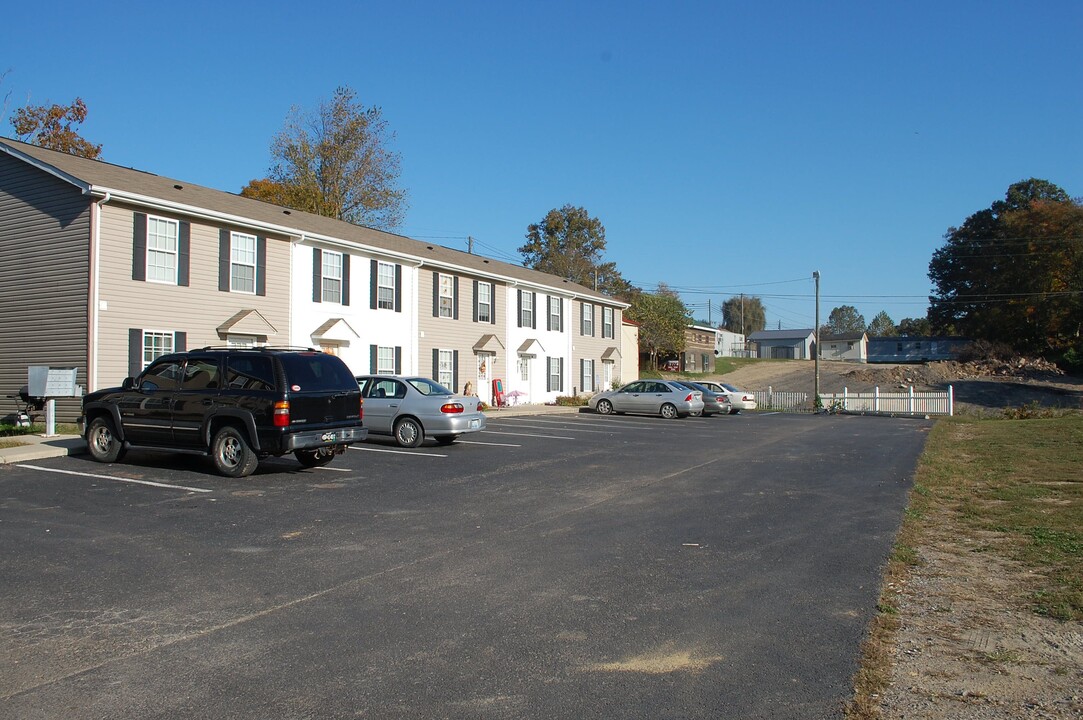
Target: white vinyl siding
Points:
x,y
162,250
242,266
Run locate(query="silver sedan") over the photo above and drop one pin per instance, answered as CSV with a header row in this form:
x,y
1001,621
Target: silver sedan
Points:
x,y
655,397
409,408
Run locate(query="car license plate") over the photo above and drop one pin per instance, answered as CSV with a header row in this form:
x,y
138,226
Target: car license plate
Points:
x,y
474,424
329,437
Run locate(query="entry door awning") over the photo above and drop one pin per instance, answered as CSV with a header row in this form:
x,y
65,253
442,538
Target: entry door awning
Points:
x,y
488,343
247,322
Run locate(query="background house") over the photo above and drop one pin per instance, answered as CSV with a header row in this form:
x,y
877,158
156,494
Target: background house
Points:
x,y
730,344
848,346
913,348
784,344
699,345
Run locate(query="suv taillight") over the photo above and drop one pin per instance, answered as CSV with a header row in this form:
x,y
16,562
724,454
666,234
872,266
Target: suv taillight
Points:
x,y
281,417
361,409
451,408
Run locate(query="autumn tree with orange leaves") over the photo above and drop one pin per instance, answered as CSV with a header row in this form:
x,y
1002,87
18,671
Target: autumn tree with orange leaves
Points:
x,y
52,127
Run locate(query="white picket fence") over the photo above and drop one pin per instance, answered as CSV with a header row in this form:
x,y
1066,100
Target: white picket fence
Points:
x,y
771,399
891,403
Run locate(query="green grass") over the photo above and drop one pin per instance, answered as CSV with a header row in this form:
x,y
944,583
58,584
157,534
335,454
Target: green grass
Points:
x,y
1022,480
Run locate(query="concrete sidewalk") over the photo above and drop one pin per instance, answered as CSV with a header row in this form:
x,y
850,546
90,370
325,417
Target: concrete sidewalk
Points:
x,y
39,447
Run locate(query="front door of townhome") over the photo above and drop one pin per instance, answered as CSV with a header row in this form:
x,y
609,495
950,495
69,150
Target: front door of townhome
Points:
x,y
484,385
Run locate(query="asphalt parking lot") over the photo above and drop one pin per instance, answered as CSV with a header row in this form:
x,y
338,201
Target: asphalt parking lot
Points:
x,y
557,566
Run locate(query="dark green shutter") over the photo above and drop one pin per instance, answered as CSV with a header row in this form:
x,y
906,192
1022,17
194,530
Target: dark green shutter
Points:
x,y
373,360
345,279
180,342
139,249
374,283
398,360
398,288
261,265
317,275
184,252
435,294
224,260
135,351
475,301
455,298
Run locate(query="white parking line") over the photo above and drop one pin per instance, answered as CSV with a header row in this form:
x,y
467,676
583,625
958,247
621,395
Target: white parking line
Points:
x,y
117,479
475,442
397,452
546,427
330,469
548,437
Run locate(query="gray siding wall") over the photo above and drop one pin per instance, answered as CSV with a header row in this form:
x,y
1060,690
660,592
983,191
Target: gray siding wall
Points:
x,y
44,252
588,347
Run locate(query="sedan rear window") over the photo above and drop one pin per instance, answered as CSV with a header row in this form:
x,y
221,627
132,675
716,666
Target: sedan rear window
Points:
x,y
428,387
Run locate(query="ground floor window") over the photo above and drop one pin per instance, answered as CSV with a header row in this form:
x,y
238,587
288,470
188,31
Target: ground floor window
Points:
x,y
445,374
156,344
385,360
586,375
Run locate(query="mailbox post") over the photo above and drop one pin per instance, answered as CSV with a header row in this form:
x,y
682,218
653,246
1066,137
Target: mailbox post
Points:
x,y
50,383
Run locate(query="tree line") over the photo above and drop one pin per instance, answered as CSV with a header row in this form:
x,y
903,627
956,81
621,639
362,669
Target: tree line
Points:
x,y
1011,274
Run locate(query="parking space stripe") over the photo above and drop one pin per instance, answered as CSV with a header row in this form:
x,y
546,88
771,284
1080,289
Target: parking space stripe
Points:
x,y
548,437
331,469
546,427
117,479
397,452
475,442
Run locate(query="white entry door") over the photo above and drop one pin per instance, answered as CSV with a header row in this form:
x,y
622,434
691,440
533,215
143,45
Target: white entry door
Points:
x,y
485,377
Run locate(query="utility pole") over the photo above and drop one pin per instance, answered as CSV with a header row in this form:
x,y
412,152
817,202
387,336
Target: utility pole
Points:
x,y
470,244
742,313
816,351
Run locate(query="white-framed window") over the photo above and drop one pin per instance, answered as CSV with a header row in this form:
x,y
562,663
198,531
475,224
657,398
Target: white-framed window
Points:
x,y
156,344
385,360
485,302
162,249
588,319
332,276
555,306
526,309
446,370
447,295
607,322
241,341
242,263
524,367
586,382
385,286
555,381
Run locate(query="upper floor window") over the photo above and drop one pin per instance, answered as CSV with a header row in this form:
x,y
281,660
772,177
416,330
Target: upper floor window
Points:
x,y
587,323
242,268
447,295
385,290
331,276
526,309
607,322
556,314
162,250
485,302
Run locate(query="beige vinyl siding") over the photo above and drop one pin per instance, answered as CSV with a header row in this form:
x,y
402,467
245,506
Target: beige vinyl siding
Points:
x,y
197,309
44,242
450,334
592,348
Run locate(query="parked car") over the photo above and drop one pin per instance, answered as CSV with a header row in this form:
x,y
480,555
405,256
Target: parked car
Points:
x,y
409,408
713,402
655,397
739,399
236,405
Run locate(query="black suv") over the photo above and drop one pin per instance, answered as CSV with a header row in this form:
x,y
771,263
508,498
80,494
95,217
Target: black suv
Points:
x,y
237,405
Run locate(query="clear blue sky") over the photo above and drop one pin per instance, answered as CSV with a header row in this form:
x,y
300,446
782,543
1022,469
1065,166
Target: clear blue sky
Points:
x,y
727,147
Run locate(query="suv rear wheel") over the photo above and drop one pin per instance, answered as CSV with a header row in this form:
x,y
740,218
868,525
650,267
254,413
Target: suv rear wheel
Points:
x,y
231,454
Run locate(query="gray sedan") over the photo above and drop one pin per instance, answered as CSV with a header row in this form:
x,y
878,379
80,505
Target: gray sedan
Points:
x,y
409,408
712,402
655,397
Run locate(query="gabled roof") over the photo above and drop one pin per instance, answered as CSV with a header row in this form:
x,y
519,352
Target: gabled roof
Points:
x,y
98,179
782,334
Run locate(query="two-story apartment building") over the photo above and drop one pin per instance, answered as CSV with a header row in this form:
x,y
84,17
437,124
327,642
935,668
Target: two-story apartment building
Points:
x,y
114,267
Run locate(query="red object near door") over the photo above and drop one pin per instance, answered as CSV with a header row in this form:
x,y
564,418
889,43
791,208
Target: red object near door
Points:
x,y
498,393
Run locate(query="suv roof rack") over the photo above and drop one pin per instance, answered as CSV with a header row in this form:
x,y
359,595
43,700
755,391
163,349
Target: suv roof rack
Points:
x,y
259,348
